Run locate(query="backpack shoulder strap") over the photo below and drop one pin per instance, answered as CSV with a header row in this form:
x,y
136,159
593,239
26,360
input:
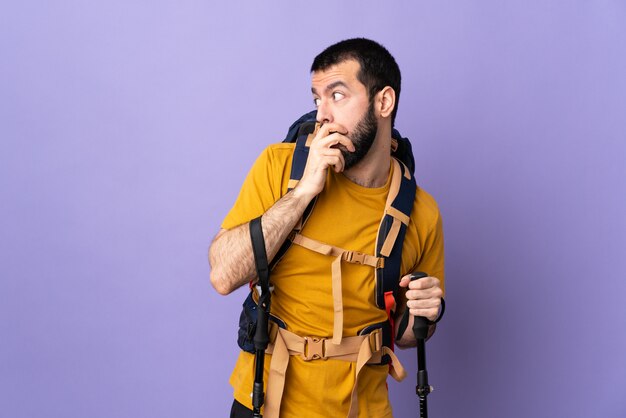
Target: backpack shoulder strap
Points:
x,y
391,235
301,153
305,135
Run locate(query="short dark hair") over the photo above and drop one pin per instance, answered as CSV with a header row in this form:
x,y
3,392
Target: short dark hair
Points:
x,y
378,67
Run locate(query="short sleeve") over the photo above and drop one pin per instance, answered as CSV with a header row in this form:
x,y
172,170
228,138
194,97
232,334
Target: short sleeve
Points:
x,y
432,257
263,186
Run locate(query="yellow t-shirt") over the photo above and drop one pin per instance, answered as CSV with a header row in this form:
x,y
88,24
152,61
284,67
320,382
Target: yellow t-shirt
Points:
x,y
346,215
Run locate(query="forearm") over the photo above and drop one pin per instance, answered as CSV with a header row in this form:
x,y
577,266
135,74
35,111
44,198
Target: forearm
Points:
x,y
230,254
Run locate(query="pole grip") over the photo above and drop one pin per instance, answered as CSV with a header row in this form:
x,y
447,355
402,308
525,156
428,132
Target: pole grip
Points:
x,y
420,324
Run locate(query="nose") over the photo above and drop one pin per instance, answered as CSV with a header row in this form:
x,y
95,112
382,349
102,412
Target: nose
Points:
x,y
324,114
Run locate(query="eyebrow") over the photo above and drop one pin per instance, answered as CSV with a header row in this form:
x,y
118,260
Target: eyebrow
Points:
x,y
331,86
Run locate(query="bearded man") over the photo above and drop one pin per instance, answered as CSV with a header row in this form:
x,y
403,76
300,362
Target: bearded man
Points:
x,y
356,87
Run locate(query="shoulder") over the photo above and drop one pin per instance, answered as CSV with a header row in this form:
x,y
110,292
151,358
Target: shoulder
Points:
x,y
274,160
265,183
273,167
276,153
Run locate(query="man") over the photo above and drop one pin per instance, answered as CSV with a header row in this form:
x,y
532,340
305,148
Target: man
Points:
x,y
355,87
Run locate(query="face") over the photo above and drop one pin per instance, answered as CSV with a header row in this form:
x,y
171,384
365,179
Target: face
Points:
x,y
342,99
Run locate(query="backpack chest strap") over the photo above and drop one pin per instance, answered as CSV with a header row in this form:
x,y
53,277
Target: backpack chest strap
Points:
x,y
339,254
354,257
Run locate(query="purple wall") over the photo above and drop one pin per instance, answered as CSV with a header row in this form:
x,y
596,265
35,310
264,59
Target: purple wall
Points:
x,y
127,128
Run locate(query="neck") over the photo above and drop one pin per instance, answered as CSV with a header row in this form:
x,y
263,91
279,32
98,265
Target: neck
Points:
x,y
373,169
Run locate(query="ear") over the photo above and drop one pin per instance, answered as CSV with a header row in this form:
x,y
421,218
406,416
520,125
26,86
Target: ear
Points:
x,y
386,101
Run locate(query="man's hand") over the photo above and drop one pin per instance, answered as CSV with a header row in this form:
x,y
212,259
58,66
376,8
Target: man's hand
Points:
x,y
423,296
324,152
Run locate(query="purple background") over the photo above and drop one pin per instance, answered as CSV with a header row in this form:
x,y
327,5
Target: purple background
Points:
x,y
127,128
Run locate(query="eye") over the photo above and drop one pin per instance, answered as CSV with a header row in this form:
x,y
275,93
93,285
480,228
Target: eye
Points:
x,y
338,96
316,102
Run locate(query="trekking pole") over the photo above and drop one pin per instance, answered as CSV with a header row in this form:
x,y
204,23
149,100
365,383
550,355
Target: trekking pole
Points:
x,y
261,339
420,330
261,335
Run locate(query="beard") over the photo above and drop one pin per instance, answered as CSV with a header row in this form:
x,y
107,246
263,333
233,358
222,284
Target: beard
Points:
x,y
362,137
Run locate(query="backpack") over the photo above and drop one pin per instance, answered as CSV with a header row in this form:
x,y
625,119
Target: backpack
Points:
x,y
389,241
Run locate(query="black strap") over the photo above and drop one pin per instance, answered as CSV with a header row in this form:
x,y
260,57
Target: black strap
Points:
x,y
260,255
261,336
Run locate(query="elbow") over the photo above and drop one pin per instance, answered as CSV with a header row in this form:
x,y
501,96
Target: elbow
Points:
x,y
219,284
218,279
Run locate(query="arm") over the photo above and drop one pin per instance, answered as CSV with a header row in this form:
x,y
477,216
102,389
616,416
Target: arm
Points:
x,y
230,254
423,296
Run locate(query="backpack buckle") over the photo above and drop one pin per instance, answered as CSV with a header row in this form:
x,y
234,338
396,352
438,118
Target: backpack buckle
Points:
x,y
314,349
376,340
355,257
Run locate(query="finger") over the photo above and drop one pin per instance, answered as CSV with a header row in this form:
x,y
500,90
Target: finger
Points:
x,y
334,158
434,303
329,128
334,140
330,152
405,280
431,293
336,162
424,283
326,130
